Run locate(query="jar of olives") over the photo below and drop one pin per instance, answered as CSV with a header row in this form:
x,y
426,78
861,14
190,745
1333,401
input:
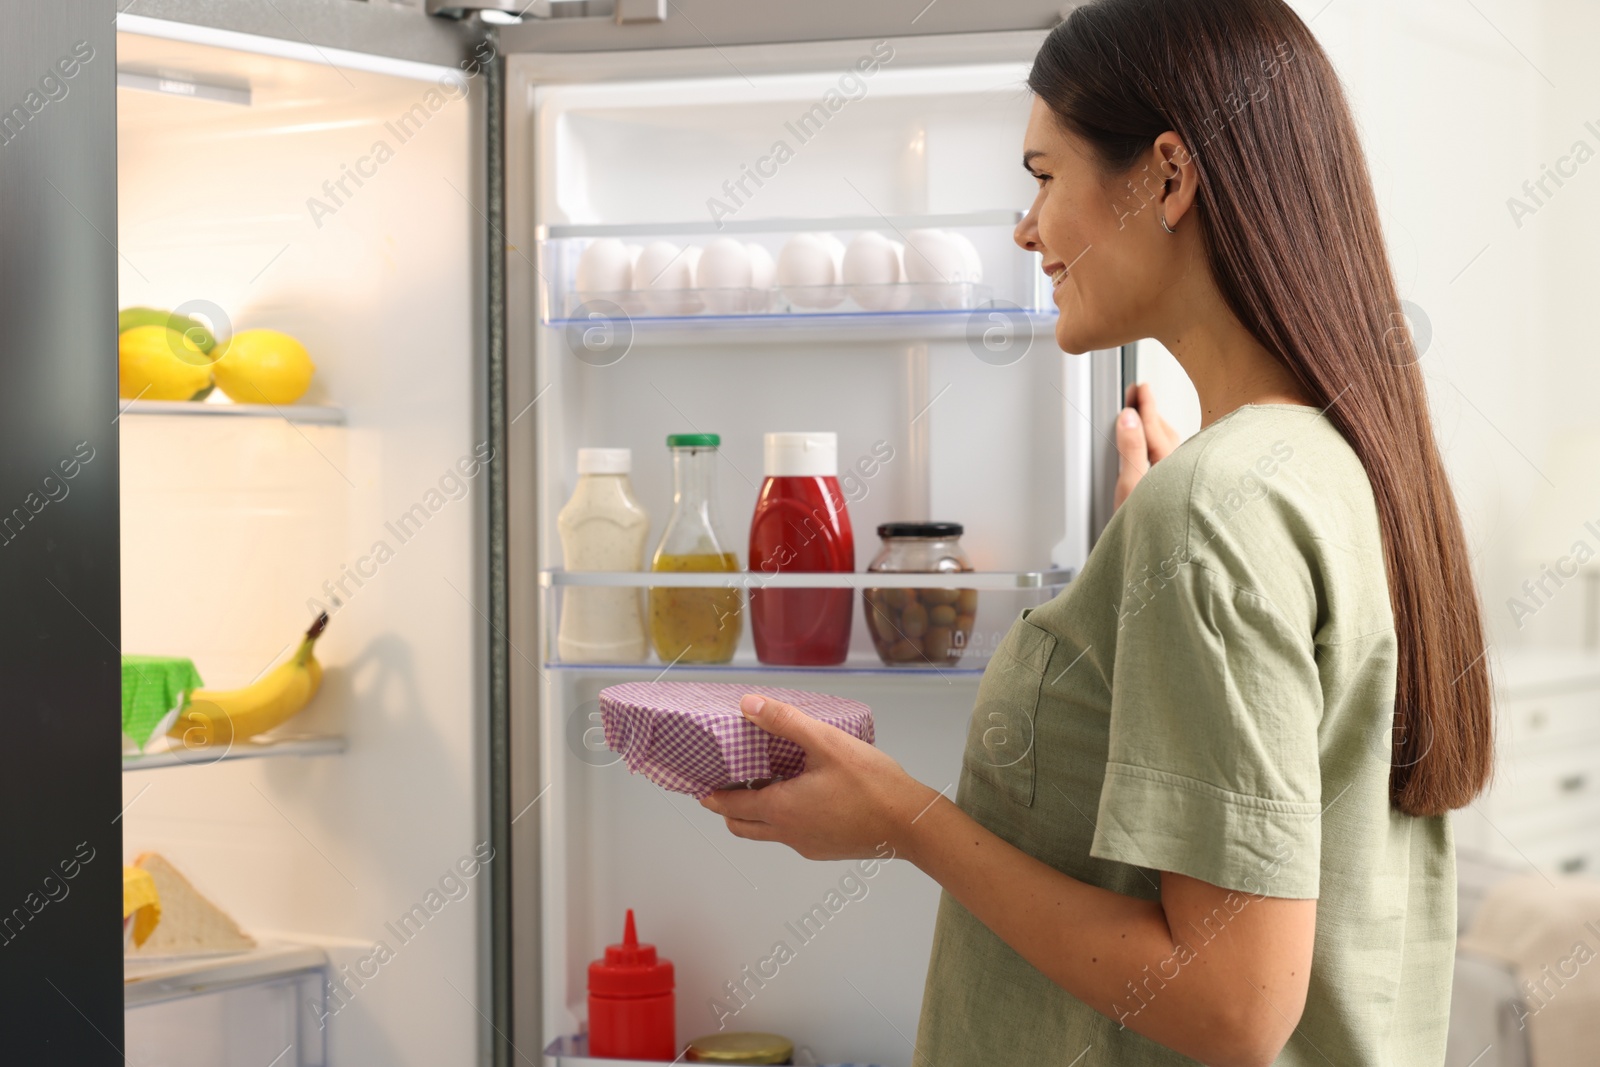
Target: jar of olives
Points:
x,y
920,627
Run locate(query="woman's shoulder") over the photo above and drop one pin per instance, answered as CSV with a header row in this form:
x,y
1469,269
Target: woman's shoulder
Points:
x,y
1273,500
1285,457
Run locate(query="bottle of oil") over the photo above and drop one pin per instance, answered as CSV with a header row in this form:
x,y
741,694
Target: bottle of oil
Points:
x,y
698,625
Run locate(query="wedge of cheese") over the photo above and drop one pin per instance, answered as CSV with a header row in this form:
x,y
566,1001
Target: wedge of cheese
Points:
x,y
190,924
141,905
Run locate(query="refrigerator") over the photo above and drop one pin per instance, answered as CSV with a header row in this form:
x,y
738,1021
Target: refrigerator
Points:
x,y
430,855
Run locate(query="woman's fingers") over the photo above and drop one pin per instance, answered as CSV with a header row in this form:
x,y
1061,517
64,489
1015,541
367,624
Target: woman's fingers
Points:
x,y
782,720
1133,448
750,830
740,804
1159,434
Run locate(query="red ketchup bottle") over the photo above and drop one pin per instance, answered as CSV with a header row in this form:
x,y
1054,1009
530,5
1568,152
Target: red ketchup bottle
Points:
x,y
801,525
631,1008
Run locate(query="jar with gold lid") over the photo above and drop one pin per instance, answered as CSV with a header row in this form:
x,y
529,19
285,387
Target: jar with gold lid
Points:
x,y
741,1048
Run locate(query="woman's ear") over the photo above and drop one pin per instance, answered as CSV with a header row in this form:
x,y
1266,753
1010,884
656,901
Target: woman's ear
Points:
x,y
1182,183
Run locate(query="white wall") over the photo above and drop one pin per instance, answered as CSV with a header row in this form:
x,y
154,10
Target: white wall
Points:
x,y
1456,114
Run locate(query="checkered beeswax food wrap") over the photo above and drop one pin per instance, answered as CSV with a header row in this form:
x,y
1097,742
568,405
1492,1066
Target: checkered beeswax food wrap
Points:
x,y
690,737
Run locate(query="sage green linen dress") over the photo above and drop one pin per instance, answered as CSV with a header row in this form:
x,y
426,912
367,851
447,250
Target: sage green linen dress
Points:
x,y
1212,696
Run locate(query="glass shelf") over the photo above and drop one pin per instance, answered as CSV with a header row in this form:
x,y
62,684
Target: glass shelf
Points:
x,y
573,1051
264,1006
561,231
1048,579
949,288
149,979
169,752
301,413
746,663
1000,596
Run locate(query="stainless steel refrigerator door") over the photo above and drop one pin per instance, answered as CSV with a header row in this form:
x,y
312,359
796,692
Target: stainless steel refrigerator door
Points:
x,y
61,981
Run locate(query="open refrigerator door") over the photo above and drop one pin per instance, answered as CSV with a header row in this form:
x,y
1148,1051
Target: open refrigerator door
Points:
x,y
314,212
367,209
736,241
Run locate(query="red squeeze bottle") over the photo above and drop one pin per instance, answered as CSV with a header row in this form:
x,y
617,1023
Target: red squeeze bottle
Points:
x,y
632,1015
801,524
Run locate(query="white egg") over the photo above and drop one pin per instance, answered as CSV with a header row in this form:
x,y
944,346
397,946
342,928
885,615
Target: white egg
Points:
x,y
724,276
873,270
662,273
808,272
937,264
632,302
969,252
763,271
836,246
605,267
899,295
656,260
692,254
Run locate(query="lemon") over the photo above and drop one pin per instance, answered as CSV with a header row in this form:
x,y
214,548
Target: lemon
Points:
x,y
155,363
263,367
130,318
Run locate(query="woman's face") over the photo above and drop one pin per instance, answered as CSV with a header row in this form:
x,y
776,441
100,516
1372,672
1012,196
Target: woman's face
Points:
x,y
1104,248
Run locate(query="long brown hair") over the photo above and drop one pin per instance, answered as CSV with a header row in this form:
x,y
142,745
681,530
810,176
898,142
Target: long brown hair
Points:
x,y
1292,232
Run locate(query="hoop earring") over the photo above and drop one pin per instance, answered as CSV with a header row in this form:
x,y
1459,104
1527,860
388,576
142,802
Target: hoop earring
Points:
x,y
1164,226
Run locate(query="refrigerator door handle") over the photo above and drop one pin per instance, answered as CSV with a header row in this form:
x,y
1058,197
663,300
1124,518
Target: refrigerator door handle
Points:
x,y
1113,371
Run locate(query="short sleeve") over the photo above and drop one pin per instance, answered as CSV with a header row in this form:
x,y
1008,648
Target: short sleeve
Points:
x,y
1213,767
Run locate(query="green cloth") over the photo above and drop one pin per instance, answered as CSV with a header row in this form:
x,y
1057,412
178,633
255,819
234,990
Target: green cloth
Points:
x,y
152,688
1212,696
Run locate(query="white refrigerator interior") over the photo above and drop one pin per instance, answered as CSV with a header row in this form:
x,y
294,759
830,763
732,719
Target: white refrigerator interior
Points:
x,y
998,442
329,196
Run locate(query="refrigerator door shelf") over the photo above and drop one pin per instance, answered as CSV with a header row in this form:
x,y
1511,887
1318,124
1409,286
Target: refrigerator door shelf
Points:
x,y
573,1051
701,232
745,663
598,330
172,752
1001,597
158,978
1050,579
954,269
244,1008
899,304
305,414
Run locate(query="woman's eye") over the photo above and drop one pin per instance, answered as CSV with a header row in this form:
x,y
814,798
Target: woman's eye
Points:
x,y
1040,178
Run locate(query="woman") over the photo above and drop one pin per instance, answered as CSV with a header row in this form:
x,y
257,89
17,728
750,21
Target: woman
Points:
x,y
1202,812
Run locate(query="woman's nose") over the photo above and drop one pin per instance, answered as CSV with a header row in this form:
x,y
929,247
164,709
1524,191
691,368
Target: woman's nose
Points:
x,y
1027,232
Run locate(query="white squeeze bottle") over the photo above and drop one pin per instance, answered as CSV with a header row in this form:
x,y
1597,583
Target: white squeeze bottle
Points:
x,y
603,528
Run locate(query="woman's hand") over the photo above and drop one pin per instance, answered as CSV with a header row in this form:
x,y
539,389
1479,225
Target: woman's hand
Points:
x,y
849,801
1143,438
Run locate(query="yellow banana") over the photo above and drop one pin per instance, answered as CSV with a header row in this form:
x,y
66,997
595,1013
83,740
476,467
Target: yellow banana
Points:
x,y
221,716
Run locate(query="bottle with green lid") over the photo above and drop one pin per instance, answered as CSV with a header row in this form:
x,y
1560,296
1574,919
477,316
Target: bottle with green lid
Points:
x,y
698,625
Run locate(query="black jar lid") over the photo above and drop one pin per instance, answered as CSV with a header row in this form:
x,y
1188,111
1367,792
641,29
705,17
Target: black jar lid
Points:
x,y
939,530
